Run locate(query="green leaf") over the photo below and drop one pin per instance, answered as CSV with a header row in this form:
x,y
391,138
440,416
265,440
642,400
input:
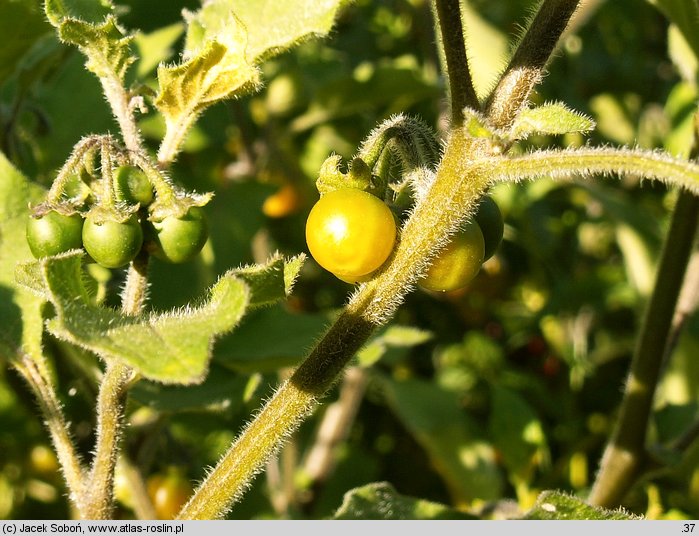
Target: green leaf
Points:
x,y
554,118
380,500
452,440
552,505
393,337
287,337
487,49
222,390
87,10
21,26
106,47
225,41
681,54
271,26
156,47
173,347
685,14
516,431
20,310
216,73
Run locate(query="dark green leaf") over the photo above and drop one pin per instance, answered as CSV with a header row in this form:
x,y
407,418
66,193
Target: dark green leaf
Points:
x,y
516,430
453,441
287,338
21,26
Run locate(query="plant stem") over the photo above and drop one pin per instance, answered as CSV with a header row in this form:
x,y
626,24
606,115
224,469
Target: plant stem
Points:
x,y
142,504
586,162
625,453
110,404
453,196
73,470
135,292
110,408
447,14
120,102
526,67
175,134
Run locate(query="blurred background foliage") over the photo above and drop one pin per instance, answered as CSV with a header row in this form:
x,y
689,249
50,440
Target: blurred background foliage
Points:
x,y
478,399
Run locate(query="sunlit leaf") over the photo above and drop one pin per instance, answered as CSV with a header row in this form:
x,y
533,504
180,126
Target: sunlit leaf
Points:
x,y
20,310
392,337
271,26
381,501
552,505
172,347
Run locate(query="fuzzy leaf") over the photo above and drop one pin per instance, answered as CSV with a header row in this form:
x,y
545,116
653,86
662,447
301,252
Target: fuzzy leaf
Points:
x,y
87,10
271,26
380,500
173,347
225,41
554,505
554,118
216,73
20,310
104,45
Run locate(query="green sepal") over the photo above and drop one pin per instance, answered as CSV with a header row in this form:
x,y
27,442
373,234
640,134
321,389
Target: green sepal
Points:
x,y
173,347
330,178
553,118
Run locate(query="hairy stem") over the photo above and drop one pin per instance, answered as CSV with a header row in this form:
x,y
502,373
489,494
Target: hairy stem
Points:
x,y
526,67
110,409
450,31
624,456
175,134
71,466
120,102
110,404
454,194
586,162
